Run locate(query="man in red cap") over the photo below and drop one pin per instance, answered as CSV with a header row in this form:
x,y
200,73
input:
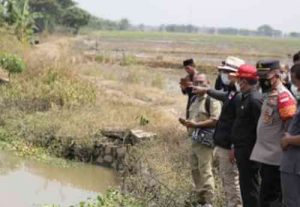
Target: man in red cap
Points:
x,y
244,134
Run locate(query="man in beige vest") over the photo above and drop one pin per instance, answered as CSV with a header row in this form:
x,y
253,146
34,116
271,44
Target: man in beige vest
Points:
x,y
203,114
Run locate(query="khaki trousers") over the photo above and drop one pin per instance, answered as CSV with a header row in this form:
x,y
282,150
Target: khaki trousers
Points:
x,y
230,178
201,163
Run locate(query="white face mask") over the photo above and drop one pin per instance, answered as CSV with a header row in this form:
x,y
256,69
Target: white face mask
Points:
x,y
295,91
238,87
289,77
225,78
284,76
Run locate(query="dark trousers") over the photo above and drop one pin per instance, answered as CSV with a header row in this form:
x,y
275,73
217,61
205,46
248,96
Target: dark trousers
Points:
x,y
249,177
290,183
270,193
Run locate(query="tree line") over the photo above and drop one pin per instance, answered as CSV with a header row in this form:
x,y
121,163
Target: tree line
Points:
x,y
27,17
263,30
124,24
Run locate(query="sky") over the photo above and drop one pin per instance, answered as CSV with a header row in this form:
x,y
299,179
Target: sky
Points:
x,y
250,14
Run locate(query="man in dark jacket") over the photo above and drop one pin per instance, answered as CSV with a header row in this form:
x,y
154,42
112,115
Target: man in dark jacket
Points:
x,y
244,134
186,83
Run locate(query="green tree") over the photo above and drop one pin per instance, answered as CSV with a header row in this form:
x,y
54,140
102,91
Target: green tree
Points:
x,y
24,20
124,24
1,14
66,3
18,16
51,11
75,18
11,11
265,30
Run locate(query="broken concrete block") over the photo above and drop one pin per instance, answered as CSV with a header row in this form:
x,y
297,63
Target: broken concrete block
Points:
x,y
114,150
140,135
114,165
108,159
108,150
120,167
114,133
100,160
121,152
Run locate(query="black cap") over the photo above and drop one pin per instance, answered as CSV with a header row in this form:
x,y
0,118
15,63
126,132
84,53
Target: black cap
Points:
x,y
188,62
264,66
267,65
296,57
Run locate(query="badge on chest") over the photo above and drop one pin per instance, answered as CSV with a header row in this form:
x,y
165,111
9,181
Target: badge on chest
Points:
x,y
268,110
268,115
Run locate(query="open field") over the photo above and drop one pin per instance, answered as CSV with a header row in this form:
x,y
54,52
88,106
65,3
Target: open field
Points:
x,y
75,86
206,49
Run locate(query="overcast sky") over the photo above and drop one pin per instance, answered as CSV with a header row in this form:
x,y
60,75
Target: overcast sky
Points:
x,y
280,14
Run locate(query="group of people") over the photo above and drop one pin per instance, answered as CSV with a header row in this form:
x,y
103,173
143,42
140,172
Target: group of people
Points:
x,y
249,123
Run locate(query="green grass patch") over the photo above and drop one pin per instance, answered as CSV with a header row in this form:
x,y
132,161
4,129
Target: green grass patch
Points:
x,y
23,148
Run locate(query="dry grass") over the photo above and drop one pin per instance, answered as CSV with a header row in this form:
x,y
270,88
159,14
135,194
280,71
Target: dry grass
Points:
x,y
70,100
57,96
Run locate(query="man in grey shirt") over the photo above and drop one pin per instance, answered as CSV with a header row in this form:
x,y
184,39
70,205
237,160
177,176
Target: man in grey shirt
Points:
x,y
278,109
290,163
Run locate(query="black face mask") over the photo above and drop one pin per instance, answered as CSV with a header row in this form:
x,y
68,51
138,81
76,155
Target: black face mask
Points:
x,y
265,85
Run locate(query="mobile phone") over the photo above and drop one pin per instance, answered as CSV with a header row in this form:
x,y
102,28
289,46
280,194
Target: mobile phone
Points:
x,y
182,120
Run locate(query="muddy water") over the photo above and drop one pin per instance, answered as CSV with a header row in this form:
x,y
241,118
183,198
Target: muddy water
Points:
x,y
27,183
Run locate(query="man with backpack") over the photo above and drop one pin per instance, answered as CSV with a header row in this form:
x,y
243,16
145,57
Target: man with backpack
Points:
x,y
203,115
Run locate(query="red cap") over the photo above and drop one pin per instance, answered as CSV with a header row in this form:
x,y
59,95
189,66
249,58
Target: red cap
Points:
x,y
248,72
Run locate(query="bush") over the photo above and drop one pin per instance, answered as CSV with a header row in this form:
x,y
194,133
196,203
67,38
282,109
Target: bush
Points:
x,y
128,60
11,63
113,198
50,87
103,58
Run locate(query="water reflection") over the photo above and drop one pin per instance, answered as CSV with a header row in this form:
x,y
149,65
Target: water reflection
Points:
x,y
30,183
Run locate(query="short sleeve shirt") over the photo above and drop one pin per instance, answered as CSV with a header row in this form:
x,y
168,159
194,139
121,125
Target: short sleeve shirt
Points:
x,y
270,130
198,111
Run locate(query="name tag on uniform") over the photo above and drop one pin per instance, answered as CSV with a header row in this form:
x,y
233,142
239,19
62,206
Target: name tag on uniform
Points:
x,y
268,115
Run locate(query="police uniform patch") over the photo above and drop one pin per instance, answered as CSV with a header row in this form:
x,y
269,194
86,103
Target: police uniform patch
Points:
x,y
287,106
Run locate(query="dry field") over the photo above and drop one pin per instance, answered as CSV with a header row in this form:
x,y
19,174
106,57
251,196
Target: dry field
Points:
x,y
75,86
